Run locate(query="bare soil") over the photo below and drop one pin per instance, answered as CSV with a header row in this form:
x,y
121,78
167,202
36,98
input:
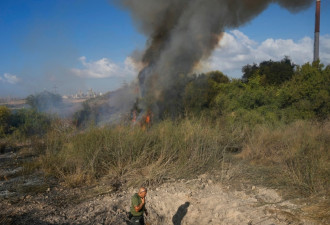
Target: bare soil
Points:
x,y
30,198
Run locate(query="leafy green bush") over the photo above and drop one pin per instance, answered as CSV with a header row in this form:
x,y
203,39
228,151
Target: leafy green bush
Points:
x,y
305,96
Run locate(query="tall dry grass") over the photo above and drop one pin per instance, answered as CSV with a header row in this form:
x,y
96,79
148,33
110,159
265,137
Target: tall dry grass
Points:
x,y
299,152
294,156
131,155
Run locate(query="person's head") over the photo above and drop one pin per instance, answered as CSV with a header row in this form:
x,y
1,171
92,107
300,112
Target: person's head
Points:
x,y
142,192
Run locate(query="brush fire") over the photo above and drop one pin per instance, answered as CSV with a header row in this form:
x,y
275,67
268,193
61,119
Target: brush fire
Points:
x,y
145,121
181,34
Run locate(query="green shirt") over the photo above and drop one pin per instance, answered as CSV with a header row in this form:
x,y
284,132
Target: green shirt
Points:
x,y
136,200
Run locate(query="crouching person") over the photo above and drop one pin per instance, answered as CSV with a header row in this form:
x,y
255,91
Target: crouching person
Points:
x,y
138,207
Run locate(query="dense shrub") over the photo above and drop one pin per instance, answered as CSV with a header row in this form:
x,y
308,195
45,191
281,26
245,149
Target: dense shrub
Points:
x,y
308,93
305,96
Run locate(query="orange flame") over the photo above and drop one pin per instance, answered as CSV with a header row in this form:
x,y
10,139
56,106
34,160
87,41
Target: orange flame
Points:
x,y
134,116
148,119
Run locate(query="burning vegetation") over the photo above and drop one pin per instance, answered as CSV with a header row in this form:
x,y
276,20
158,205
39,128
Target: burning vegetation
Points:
x,y
181,34
275,120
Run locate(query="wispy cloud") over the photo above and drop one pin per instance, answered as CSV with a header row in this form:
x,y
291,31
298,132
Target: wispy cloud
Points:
x,y
104,68
10,78
236,50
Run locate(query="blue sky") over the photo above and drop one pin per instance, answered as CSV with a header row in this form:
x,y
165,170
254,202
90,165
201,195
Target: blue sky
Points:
x,y
82,44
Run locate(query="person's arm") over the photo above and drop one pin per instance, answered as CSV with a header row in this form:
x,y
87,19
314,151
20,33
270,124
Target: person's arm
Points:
x,y
139,207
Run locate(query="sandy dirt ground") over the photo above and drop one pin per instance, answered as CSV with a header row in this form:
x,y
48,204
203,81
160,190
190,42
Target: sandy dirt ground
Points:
x,y
31,199
184,202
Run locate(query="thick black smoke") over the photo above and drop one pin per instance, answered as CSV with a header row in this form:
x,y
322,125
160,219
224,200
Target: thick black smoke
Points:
x,y
183,32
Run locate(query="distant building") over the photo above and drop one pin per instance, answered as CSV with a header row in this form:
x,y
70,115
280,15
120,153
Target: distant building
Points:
x,y
80,95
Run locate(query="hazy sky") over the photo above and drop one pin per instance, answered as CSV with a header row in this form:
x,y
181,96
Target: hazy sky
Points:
x,y
70,45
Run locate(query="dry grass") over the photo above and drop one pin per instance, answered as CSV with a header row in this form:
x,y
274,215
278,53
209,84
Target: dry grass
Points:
x,y
319,212
297,154
299,150
132,155
4,219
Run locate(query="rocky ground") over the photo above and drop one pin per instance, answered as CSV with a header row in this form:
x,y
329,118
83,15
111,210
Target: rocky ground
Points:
x,y
30,199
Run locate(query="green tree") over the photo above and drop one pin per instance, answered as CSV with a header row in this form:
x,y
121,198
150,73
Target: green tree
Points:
x,y
249,71
272,73
308,94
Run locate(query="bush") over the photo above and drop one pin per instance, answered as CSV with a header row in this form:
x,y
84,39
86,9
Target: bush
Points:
x,y
305,96
308,93
200,92
29,122
5,122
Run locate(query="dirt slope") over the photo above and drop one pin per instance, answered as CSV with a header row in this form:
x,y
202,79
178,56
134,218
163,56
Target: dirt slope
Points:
x,y
185,202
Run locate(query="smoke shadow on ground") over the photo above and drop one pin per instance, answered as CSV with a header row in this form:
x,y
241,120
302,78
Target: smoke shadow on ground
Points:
x,y
180,213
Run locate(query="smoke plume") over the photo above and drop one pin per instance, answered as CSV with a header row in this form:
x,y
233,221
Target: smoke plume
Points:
x,y
183,32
